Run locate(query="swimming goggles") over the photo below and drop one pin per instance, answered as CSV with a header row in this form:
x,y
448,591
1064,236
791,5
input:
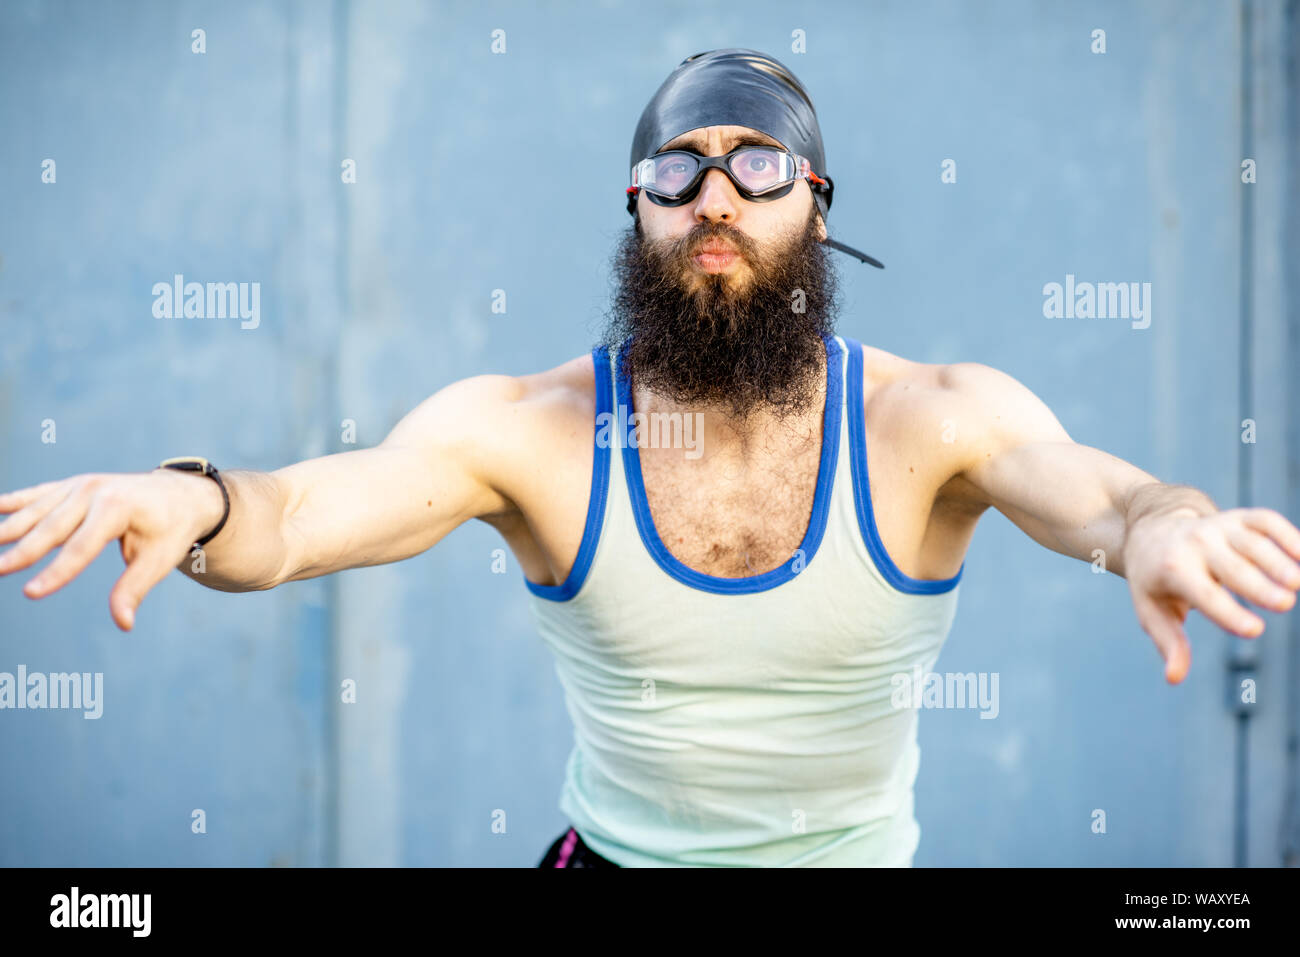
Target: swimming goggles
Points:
x,y
759,173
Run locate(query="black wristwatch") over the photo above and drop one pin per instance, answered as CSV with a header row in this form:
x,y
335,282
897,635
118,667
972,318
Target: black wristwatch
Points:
x,y
192,463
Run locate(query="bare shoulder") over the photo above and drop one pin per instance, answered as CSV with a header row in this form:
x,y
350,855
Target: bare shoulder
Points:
x,y
480,409
951,398
1001,409
543,412
899,393
514,434
894,378
945,419
566,389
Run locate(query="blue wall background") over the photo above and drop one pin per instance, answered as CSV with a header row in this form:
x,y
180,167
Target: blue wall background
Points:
x,y
225,166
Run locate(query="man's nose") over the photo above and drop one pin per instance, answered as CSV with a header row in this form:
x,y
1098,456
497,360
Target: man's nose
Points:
x,y
718,199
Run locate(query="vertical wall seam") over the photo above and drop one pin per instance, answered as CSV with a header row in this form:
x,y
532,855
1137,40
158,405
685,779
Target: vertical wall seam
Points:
x,y
1241,657
334,822
1290,836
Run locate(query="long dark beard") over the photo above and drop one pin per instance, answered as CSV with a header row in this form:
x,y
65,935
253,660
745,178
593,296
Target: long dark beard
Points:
x,y
698,340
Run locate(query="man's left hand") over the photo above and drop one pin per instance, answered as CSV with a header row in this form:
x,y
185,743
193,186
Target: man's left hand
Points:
x,y
1179,561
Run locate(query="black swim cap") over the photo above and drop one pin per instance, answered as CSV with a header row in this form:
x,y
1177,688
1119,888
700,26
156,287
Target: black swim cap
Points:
x,y
737,87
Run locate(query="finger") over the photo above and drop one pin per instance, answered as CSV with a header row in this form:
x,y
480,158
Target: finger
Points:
x,y
1166,631
1215,602
21,522
52,530
149,568
1235,572
22,497
100,527
1263,551
1276,527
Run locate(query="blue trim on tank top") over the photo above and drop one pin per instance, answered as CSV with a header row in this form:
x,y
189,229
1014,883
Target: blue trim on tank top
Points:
x,y
599,489
821,497
862,492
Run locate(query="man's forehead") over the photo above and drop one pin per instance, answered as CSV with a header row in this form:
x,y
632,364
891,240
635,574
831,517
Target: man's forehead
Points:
x,y
732,136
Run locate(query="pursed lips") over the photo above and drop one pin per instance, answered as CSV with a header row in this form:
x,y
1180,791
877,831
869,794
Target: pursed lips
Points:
x,y
715,247
715,256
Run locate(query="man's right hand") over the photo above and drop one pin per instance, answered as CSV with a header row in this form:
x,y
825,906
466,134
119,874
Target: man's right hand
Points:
x,y
156,516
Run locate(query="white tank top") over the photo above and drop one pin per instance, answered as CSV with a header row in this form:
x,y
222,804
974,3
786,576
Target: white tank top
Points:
x,y
741,721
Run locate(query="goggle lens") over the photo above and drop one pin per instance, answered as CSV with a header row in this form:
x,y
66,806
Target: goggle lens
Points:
x,y
673,172
759,169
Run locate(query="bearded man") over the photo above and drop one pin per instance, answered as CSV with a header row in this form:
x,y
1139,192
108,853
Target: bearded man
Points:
x,y
731,598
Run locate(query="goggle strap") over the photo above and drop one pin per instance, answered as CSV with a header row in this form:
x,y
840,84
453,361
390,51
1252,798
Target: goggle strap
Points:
x,y
853,252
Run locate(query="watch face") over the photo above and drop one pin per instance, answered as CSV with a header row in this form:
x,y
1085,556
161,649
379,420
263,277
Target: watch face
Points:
x,y
189,463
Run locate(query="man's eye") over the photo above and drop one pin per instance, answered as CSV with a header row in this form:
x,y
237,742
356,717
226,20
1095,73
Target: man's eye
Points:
x,y
673,171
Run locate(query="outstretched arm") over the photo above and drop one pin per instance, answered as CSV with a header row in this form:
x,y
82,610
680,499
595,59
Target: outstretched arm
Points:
x,y
323,515
1176,549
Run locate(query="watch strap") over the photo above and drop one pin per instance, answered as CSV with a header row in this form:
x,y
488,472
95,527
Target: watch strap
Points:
x,y
201,466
